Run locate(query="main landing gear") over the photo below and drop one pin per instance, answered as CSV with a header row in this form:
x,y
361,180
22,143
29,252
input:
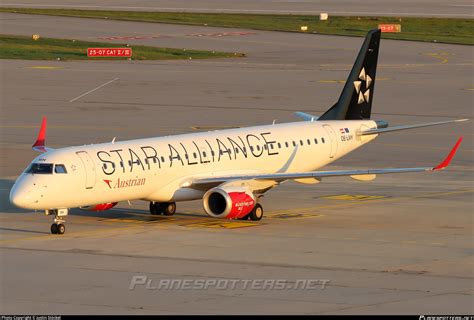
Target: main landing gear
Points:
x,y
58,226
255,215
166,208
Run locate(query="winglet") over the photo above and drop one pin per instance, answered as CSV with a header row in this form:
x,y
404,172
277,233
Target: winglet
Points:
x,y
39,145
450,156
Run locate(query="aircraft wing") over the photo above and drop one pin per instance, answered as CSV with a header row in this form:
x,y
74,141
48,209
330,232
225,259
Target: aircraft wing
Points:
x,y
406,127
279,177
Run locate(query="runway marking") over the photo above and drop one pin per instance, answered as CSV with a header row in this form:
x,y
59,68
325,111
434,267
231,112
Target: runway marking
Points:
x,y
221,34
45,67
134,37
223,224
90,91
354,197
469,89
284,216
442,56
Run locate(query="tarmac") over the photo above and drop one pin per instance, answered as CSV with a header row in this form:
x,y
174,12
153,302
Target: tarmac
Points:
x,y
403,8
399,244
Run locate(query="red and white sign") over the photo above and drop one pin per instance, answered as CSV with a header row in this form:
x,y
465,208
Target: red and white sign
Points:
x,y
109,52
390,27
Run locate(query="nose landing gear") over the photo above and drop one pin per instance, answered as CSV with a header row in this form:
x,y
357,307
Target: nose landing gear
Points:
x,y
58,226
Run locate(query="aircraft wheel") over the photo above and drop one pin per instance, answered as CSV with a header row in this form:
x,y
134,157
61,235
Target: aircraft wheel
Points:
x,y
54,228
257,213
61,228
169,208
155,208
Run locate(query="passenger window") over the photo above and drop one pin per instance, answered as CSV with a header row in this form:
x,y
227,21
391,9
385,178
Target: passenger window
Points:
x,y
322,139
60,168
279,145
162,159
286,144
294,144
315,141
301,142
309,142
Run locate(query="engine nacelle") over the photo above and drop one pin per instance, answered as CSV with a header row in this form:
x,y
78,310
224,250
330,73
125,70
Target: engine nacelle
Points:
x,y
100,207
230,203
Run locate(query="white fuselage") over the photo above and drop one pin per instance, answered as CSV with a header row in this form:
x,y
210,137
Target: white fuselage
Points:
x,y
155,169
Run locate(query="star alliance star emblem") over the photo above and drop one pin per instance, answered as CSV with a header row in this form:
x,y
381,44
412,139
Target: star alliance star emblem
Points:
x,y
363,96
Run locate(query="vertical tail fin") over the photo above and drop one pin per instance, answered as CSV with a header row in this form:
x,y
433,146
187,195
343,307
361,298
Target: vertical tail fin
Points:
x,y
355,101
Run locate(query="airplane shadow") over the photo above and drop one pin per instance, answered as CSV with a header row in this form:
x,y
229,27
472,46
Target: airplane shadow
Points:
x,y
23,230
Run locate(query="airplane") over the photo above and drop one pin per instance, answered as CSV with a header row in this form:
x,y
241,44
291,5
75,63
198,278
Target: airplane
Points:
x,y
229,169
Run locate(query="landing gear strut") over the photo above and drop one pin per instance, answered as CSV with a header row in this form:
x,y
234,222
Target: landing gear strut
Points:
x,y
58,226
166,208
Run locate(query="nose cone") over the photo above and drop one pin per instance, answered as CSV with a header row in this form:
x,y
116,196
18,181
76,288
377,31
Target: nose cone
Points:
x,y
19,197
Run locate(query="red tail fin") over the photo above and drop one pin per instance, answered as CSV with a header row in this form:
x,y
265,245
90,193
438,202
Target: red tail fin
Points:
x,y
39,145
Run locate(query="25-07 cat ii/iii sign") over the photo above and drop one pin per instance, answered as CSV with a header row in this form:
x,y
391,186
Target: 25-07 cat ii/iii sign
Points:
x,y
109,52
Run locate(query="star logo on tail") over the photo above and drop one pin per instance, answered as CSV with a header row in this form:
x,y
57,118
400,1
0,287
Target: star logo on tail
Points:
x,y
364,95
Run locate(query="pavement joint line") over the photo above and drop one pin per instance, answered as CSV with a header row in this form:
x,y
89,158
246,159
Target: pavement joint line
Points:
x,y
90,91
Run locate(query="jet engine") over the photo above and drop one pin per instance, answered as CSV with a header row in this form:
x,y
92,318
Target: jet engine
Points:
x,y
230,203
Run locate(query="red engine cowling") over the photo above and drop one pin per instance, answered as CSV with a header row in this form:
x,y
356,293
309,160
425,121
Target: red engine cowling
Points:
x,y
101,207
231,204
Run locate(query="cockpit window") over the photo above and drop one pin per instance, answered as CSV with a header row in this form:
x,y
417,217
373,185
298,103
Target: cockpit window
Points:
x,y
40,168
60,168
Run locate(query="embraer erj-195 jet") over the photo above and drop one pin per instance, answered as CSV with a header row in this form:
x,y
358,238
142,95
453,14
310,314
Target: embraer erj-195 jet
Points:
x,y
228,169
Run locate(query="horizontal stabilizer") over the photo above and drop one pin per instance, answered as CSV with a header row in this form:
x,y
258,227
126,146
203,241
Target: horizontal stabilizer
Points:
x,y
306,116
